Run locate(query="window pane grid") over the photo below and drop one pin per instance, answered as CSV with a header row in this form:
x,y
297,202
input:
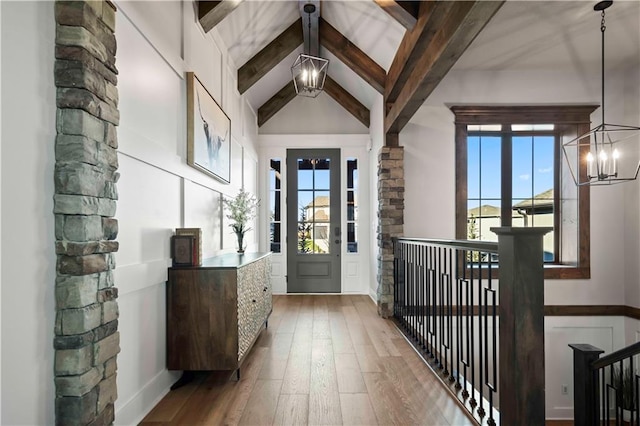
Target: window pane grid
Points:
x,y
352,205
275,205
532,181
314,206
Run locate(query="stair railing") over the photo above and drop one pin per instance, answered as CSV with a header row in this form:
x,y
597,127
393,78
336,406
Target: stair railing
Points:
x,y
481,334
606,390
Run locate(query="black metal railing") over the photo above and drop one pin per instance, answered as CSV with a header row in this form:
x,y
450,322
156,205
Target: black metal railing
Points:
x,y
483,336
607,389
449,311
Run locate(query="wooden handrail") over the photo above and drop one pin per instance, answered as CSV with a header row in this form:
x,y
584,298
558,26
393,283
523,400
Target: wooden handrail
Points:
x,y
485,246
616,356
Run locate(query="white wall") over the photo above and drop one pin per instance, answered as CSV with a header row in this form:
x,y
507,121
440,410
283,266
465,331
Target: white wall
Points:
x,y
631,198
158,191
376,135
27,227
321,115
0,229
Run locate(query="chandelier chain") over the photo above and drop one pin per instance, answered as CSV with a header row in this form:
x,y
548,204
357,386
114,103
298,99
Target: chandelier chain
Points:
x,y
309,34
603,27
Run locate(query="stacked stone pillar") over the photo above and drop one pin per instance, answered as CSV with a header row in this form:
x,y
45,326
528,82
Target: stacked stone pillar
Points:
x,y
86,331
390,220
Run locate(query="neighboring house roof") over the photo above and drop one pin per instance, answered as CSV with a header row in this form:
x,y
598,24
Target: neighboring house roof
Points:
x,y
541,200
320,201
484,211
540,203
487,211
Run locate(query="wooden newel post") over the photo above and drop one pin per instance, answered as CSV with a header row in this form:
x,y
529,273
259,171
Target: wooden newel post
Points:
x,y
521,298
586,407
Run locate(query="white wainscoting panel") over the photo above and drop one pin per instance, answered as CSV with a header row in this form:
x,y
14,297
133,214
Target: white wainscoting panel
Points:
x,y
606,333
149,209
202,210
144,377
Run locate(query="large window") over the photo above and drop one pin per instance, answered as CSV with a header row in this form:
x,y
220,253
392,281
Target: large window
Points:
x,y
509,172
511,180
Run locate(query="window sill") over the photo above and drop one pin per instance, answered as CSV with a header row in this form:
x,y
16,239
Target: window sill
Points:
x,y
566,272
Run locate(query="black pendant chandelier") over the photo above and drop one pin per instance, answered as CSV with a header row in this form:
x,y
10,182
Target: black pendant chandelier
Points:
x,y
608,153
308,71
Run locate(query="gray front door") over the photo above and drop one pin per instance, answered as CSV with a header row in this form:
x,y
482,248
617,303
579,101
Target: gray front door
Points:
x,y
313,221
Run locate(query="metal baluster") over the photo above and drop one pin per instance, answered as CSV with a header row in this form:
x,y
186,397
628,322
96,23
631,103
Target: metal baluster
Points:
x,y
619,396
446,335
410,296
608,407
398,285
633,396
396,262
481,346
422,296
450,312
458,319
434,303
404,287
636,398
432,293
472,359
416,335
467,334
445,313
440,328
493,386
605,400
416,291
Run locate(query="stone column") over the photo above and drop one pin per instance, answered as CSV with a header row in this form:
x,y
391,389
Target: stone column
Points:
x,y
86,331
390,220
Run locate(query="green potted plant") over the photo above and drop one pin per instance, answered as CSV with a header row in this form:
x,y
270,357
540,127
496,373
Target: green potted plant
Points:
x,y
242,209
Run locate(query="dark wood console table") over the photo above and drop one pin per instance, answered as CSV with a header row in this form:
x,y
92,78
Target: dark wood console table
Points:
x,y
216,311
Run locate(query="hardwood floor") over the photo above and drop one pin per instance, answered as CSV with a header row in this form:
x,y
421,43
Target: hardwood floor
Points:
x,y
324,360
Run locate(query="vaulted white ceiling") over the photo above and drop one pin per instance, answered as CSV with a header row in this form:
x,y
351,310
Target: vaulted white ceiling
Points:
x,y
555,34
522,34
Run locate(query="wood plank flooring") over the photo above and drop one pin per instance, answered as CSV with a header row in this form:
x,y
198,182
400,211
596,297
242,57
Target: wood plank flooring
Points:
x,y
324,360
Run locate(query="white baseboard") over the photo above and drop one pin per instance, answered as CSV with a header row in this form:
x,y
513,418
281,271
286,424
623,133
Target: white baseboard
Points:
x,y
373,295
559,413
133,411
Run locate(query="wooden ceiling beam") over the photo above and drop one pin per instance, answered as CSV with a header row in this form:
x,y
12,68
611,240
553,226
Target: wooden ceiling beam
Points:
x,y
454,34
270,56
347,101
276,103
405,12
211,13
331,87
414,44
352,56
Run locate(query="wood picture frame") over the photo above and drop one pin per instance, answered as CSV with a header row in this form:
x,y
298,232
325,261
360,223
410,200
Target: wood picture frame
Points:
x,y
182,250
208,132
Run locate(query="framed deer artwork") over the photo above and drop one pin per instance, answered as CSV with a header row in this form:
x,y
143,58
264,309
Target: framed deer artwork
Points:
x,y
208,132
